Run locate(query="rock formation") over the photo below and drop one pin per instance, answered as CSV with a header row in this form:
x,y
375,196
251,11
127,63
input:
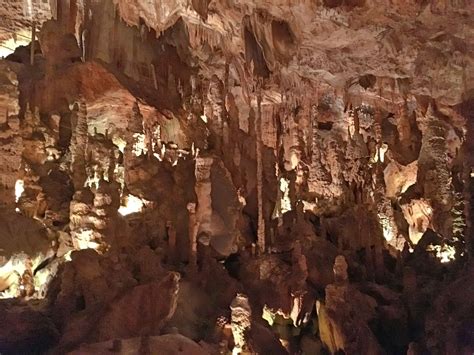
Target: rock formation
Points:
x,y
253,177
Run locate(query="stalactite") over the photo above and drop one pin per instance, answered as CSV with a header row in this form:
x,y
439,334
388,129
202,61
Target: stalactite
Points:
x,y
135,142
259,105
217,112
433,173
261,217
73,16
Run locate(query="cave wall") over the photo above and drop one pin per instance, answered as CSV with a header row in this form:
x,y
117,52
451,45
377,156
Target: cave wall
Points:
x,y
281,177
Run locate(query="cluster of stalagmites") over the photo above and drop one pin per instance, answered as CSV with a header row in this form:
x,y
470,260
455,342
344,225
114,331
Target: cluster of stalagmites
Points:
x,y
120,287
149,207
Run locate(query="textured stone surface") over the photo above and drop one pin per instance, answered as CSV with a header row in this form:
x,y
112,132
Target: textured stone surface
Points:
x,y
217,170
164,344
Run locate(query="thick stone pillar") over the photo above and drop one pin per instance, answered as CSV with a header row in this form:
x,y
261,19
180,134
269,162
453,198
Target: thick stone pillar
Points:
x,y
203,192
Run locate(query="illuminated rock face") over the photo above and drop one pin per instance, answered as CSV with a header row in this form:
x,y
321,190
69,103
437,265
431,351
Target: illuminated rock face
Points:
x,y
182,169
241,323
25,246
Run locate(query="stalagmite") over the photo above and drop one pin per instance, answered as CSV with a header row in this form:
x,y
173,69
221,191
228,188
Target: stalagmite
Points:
x,y
241,314
203,189
340,269
299,266
194,176
79,142
193,232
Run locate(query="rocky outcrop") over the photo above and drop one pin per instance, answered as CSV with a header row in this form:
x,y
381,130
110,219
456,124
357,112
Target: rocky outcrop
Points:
x,y
9,133
164,344
110,304
241,323
343,318
29,328
25,246
151,305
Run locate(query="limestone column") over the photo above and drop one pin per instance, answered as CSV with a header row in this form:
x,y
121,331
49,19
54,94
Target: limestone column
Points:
x,y
261,217
135,140
384,207
434,174
318,178
32,49
78,146
216,110
299,275
193,231
203,190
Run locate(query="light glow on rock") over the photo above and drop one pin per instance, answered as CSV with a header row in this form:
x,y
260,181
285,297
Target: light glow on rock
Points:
x,y
67,256
283,204
285,197
93,181
22,38
120,143
86,239
19,189
268,315
380,154
386,227
132,204
445,253
11,277
139,145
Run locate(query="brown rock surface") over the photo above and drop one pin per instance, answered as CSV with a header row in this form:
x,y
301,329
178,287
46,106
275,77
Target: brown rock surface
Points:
x,y
215,169
165,344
